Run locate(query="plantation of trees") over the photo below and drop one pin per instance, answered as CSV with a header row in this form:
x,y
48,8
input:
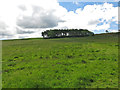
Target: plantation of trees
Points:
x,y
57,33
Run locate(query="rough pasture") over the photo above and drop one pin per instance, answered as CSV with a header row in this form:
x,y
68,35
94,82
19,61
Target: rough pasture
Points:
x,y
90,62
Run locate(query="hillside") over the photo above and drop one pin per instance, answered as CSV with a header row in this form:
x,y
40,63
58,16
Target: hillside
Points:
x,y
90,62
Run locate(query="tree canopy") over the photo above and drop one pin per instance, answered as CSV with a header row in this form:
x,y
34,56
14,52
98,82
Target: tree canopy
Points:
x,y
56,33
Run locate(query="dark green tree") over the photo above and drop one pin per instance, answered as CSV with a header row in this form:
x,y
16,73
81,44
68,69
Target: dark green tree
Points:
x,y
56,33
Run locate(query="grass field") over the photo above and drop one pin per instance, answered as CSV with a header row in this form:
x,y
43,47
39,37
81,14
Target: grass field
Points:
x,y
82,62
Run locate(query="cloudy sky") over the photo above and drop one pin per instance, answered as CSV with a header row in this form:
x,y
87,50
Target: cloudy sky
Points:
x,y
28,18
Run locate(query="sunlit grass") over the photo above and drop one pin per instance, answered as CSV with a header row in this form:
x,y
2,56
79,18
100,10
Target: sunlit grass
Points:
x,y
88,62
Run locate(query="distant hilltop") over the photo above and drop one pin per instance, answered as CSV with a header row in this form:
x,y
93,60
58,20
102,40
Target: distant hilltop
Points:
x,y
58,33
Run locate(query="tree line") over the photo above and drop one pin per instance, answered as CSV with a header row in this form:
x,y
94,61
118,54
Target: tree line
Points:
x,y
56,33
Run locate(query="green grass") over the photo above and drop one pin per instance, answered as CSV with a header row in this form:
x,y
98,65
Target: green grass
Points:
x,y
84,62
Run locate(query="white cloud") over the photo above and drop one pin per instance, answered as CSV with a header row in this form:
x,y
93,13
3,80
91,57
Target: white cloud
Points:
x,y
28,18
28,14
90,16
75,2
117,0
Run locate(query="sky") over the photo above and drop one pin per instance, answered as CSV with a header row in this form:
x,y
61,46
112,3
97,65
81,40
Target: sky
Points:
x,y
28,18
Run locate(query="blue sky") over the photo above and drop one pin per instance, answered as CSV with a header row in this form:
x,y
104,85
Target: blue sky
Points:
x,y
72,6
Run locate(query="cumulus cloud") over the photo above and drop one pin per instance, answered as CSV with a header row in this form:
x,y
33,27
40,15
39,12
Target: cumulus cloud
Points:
x,y
3,30
93,22
40,18
22,16
22,31
91,16
22,7
28,18
3,26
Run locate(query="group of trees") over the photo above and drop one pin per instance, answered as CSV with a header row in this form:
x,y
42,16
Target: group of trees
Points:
x,y
66,33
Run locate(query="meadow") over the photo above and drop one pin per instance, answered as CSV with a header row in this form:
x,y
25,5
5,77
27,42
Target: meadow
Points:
x,y
80,62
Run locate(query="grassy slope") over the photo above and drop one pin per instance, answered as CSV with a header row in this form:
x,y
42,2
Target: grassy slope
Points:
x,y
89,62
